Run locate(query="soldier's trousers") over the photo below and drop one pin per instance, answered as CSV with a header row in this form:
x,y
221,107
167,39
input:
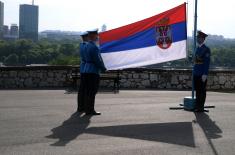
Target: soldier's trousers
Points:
x,y
80,96
91,85
200,88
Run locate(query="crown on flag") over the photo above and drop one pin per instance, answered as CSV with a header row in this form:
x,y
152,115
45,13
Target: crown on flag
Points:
x,y
163,21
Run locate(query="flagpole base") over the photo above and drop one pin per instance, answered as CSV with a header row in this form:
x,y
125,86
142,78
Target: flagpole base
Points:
x,y
189,103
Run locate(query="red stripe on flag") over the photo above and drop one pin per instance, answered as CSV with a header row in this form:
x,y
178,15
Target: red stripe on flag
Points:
x,y
175,15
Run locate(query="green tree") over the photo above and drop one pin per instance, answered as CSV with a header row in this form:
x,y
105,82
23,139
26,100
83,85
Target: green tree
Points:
x,y
11,60
23,59
65,60
67,49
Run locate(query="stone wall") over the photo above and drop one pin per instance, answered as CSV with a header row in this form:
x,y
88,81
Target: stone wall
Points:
x,y
35,77
176,79
59,77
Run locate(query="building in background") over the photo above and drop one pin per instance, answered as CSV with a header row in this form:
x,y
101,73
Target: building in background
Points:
x,y
103,28
14,30
1,19
10,34
5,30
28,22
60,35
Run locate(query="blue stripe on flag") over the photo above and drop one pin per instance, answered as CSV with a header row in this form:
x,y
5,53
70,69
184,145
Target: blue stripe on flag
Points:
x,y
143,39
179,32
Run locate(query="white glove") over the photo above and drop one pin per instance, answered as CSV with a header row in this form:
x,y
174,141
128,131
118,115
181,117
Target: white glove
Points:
x,y
204,77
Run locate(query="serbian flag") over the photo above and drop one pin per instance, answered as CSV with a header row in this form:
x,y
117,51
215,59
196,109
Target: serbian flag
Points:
x,y
157,39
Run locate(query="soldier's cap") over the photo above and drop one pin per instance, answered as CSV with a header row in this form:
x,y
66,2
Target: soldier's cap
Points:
x,y
93,31
201,34
84,33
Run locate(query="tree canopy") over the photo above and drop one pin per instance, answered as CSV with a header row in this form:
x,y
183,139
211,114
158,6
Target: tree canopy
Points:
x,y
66,52
25,52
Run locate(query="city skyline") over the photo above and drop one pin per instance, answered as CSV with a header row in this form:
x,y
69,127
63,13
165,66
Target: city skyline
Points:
x,y
78,15
28,26
1,18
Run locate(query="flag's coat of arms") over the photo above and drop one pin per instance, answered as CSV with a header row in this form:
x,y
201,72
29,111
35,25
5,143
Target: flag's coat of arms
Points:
x,y
153,40
163,33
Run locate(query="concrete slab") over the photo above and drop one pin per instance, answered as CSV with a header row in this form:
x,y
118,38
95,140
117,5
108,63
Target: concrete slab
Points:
x,y
132,122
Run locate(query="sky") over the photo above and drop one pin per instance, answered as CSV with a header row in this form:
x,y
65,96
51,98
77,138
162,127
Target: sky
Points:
x,y
214,16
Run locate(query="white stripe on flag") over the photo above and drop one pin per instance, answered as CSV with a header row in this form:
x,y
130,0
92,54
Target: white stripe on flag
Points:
x,y
144,56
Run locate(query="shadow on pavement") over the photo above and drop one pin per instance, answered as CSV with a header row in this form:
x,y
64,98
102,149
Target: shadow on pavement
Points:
x,y
224,91
69,129
210,129
179,133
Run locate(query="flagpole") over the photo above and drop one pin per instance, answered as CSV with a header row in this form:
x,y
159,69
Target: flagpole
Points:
x,y
187,47
194,43
189,101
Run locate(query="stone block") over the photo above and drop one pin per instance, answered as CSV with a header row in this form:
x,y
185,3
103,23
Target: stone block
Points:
x,y
135,76
222,79
189,83
127,84
215,87
9,82
13,74
168,85
228,85
174,80
28,82
39,75
145,83
216,79
50,74
32,74
43,84
144,76
179,86
23,74
58,75
129,76
183,77
123,80
232,78
153,77
209,82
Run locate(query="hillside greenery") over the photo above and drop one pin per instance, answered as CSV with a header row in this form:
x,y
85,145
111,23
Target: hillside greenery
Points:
x,y
66,52
26,52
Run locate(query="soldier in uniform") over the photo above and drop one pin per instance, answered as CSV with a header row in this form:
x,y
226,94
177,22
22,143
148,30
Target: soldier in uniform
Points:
x,y
200,71
80,96
93,66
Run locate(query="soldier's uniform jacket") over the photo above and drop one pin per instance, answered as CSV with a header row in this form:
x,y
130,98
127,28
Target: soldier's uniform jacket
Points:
x,y
201,61
82,50
91,61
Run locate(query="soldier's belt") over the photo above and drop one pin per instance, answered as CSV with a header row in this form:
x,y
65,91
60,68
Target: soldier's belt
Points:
x,y
198,63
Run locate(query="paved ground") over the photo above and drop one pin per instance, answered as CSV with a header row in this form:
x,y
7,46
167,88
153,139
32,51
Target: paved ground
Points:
x,y
36,122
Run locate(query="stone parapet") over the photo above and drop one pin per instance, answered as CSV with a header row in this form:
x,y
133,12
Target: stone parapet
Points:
x,y
139,78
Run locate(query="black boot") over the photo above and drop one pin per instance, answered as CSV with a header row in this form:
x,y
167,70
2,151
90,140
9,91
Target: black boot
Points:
x,y
90,109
